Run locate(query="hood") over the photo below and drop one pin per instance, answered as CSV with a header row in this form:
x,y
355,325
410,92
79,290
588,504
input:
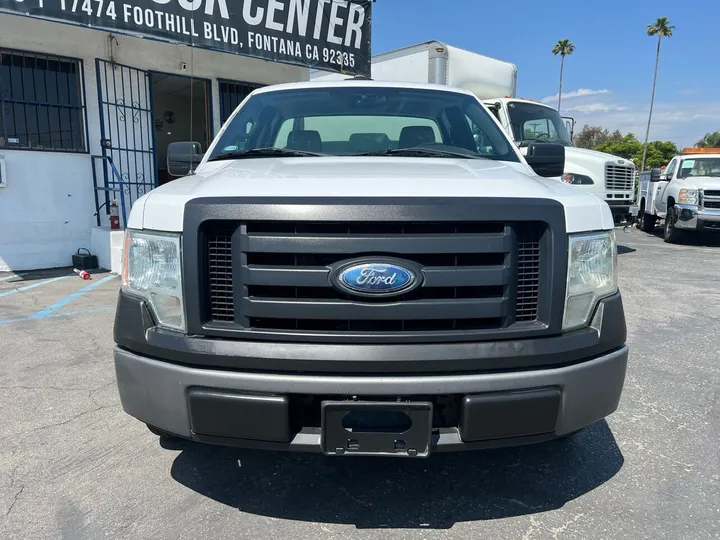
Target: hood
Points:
x,y
703,182
590,159
352,177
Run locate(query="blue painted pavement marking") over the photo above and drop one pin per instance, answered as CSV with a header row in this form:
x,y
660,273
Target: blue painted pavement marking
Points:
x,y
58,315
69,298
28,287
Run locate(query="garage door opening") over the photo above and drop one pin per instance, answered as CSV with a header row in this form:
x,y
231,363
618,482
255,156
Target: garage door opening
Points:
x,y
182,113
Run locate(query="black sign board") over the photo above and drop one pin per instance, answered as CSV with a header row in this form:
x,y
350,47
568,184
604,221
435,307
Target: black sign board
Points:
x,y
325,34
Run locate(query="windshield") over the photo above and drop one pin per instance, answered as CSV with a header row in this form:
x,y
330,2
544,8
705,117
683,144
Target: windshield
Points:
x,y
531,122
363,120
699,167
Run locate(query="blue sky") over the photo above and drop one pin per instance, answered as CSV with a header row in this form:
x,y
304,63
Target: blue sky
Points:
x,y
612,67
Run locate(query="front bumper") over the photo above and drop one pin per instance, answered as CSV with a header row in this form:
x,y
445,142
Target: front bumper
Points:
x,y
250,394
157,393
692,217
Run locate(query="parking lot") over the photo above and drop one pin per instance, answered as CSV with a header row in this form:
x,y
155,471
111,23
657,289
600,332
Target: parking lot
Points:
x,y
73,465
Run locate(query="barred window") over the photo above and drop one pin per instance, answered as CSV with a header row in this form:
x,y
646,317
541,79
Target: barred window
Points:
x,y
232,94
41,102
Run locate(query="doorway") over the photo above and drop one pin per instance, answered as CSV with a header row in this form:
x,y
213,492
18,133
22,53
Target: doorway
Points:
x,y
182,113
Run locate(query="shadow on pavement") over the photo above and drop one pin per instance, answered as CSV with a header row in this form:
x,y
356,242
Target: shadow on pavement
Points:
x,y
399,493
622,250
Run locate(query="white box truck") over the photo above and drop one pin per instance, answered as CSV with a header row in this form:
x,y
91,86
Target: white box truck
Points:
x,y
610,178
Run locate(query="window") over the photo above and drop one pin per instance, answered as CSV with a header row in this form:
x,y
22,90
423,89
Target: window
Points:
x,y
699,167
232,94
671,169
359,119
533,122
41,104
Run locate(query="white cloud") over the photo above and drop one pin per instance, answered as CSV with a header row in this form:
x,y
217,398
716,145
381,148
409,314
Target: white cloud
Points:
x,y
581,92
595,107
684,123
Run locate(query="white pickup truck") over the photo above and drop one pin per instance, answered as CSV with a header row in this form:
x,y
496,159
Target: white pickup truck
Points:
x,y
610,178
347,271
686,195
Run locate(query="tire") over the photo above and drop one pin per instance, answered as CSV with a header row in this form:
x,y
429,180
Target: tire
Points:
x,y
671,235
646,222
160,433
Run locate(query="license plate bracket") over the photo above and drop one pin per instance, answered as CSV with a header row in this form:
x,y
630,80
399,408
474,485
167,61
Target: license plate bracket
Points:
x,y
371,428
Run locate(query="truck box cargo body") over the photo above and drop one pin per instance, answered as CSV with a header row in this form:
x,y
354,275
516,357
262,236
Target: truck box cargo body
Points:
x,y
608,177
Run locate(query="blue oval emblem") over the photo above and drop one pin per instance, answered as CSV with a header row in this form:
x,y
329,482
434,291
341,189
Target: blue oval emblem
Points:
x,y
376,279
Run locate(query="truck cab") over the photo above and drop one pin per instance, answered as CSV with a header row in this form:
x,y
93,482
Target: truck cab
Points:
x,y
608,177
686,196
347,271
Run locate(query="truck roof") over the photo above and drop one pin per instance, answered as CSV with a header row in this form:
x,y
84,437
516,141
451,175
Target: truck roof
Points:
x,y
360,83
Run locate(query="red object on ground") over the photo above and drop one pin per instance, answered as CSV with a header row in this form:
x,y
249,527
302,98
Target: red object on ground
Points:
x,y
82,273
114,216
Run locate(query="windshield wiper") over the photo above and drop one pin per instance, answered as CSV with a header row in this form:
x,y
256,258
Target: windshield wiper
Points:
x,y
526,142
264,152
422,152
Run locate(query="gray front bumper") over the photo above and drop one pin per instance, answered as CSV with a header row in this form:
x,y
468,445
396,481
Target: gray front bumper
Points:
x,y
692,217
156,392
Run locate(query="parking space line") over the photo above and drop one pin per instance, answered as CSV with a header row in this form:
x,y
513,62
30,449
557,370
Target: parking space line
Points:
x,y
58,315
69,298
28,287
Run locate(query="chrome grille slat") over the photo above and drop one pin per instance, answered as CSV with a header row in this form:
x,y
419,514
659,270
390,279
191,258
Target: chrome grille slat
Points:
x,y
619,177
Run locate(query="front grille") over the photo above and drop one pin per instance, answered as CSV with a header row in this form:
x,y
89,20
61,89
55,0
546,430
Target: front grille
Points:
x,y
478,275
528,287
711,193
711,198
712,204
619,178
219,272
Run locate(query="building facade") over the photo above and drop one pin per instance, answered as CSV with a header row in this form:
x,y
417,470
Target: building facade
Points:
x,y
74,99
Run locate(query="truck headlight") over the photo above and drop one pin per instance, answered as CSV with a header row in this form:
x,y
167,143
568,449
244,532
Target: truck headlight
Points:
x,y
577,179
592,275
688,196
152,268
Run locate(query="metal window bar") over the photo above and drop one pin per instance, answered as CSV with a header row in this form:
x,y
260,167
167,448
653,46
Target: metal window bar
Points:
x,y
41,104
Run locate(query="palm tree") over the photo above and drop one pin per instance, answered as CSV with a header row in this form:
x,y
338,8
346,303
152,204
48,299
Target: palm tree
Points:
x,y
563,48
660,28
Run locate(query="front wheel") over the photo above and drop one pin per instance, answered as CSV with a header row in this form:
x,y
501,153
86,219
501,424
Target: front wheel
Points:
x,y
671,234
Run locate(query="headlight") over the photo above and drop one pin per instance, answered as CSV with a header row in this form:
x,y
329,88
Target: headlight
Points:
x,y
688,196
592,275
152,268
577,179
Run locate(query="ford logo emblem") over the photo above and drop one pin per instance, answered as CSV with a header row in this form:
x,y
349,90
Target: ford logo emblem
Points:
x,y
376,277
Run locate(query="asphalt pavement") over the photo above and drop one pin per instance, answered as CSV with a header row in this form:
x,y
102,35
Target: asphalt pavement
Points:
x,y
73,465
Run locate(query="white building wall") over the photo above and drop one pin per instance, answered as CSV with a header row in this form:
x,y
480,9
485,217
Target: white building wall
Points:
x,y
47,209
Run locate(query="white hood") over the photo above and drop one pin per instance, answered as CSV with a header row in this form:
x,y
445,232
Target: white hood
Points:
x,y
703,182
162,209
588,159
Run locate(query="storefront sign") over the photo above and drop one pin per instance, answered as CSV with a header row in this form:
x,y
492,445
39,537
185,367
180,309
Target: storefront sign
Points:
x,y
325,34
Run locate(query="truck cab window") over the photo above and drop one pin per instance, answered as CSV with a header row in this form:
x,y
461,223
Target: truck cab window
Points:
x,y
535,122
349,121
670,171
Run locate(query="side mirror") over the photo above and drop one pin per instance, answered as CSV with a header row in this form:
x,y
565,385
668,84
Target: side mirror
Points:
x,y
183,157
656,175
546,159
